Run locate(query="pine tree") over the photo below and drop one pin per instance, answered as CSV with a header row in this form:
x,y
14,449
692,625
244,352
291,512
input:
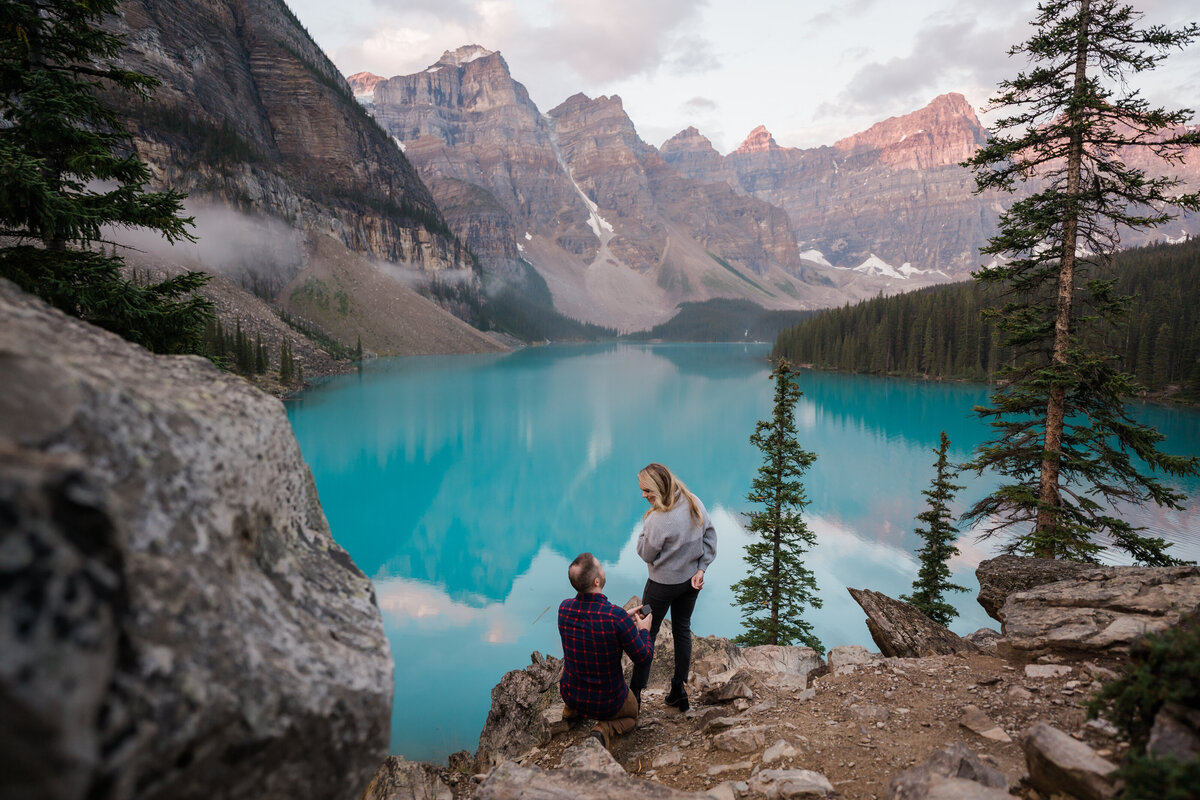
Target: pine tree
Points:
x,y
285,364
358,351
778,586
67,169
260,355
933,578
1064,437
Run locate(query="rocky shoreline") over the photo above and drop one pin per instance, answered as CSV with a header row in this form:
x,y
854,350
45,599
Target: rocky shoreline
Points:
x,y
988,716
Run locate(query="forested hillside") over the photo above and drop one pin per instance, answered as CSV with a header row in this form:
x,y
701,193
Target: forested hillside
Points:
x,y
939,332
723,320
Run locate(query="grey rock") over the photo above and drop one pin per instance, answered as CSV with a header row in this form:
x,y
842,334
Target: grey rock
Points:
x,y
728,686
1101,725
778,751
718,724
851,655
552,719
959,789
790,784
667,759
1059,764
1019,694
788,666
1098,611
737,766
516,721
955,762
1006,575
400,779
1102,674
1040,671
901,631
985,639
746,739
510,781
725,790
975,720
865,712
1172,736
591,756
233,648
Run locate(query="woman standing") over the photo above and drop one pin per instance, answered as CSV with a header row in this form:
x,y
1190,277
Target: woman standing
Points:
x,y
677,542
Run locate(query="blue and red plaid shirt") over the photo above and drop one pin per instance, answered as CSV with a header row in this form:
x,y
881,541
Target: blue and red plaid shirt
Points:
x,y
594,633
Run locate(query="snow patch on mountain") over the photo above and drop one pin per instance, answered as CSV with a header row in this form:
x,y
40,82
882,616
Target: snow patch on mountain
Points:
x,y
816,256
599,225
399,144
464,55
878,267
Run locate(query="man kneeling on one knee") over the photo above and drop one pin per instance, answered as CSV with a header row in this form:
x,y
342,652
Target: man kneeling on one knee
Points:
x,y
594,634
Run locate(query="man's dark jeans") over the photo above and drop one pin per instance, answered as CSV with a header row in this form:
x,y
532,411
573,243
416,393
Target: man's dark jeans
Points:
x,y
680,598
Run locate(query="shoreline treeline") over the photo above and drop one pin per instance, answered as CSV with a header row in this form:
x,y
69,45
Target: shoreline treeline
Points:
x,y
939,332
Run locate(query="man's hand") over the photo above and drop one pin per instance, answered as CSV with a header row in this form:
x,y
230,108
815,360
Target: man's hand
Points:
x,y
643,622
698,580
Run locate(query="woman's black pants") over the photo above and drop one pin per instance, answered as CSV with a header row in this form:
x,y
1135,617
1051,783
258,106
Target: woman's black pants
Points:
x,y
680,599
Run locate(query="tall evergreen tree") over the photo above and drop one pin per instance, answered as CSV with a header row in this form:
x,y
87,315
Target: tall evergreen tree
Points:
x,y
67,170
1064,438
778,586
286,373
939,533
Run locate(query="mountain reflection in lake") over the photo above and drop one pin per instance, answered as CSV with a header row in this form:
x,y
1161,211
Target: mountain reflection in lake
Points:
x,y
463,486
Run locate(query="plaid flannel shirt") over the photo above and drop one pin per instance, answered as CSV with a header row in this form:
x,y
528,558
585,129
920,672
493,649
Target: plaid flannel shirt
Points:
x,y
594,634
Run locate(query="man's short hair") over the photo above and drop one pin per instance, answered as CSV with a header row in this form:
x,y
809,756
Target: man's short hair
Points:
x,y
583,572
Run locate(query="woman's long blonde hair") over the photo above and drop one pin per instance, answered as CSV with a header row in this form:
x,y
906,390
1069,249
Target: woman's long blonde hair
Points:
x,y
666,490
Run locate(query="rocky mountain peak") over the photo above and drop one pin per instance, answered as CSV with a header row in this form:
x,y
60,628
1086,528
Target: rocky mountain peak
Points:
x,y
364,83
688,140
464,55
760,140
944,132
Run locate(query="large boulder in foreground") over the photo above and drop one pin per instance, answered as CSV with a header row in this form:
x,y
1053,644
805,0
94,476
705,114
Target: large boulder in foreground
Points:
x,y
1098,612
175,619
902,631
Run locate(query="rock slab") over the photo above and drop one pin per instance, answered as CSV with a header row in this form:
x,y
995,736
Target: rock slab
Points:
x,y
400,779
790,784
1098,612
517,722
509,781
957,763
1059,764
173,552
1003,576
901,631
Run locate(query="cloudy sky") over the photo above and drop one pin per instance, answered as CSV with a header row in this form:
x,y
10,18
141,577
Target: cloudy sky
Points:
x,y
812,71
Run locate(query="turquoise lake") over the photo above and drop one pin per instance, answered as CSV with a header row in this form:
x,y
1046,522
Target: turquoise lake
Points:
x,y
464,485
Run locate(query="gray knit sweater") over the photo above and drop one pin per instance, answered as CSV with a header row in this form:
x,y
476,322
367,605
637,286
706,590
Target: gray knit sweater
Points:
x,y
674,545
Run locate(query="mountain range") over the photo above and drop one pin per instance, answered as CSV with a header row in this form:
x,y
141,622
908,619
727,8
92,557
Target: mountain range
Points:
x,y
621,232
453,182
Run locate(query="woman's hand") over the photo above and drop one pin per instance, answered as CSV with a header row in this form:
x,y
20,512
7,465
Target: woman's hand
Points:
x,y
698,580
